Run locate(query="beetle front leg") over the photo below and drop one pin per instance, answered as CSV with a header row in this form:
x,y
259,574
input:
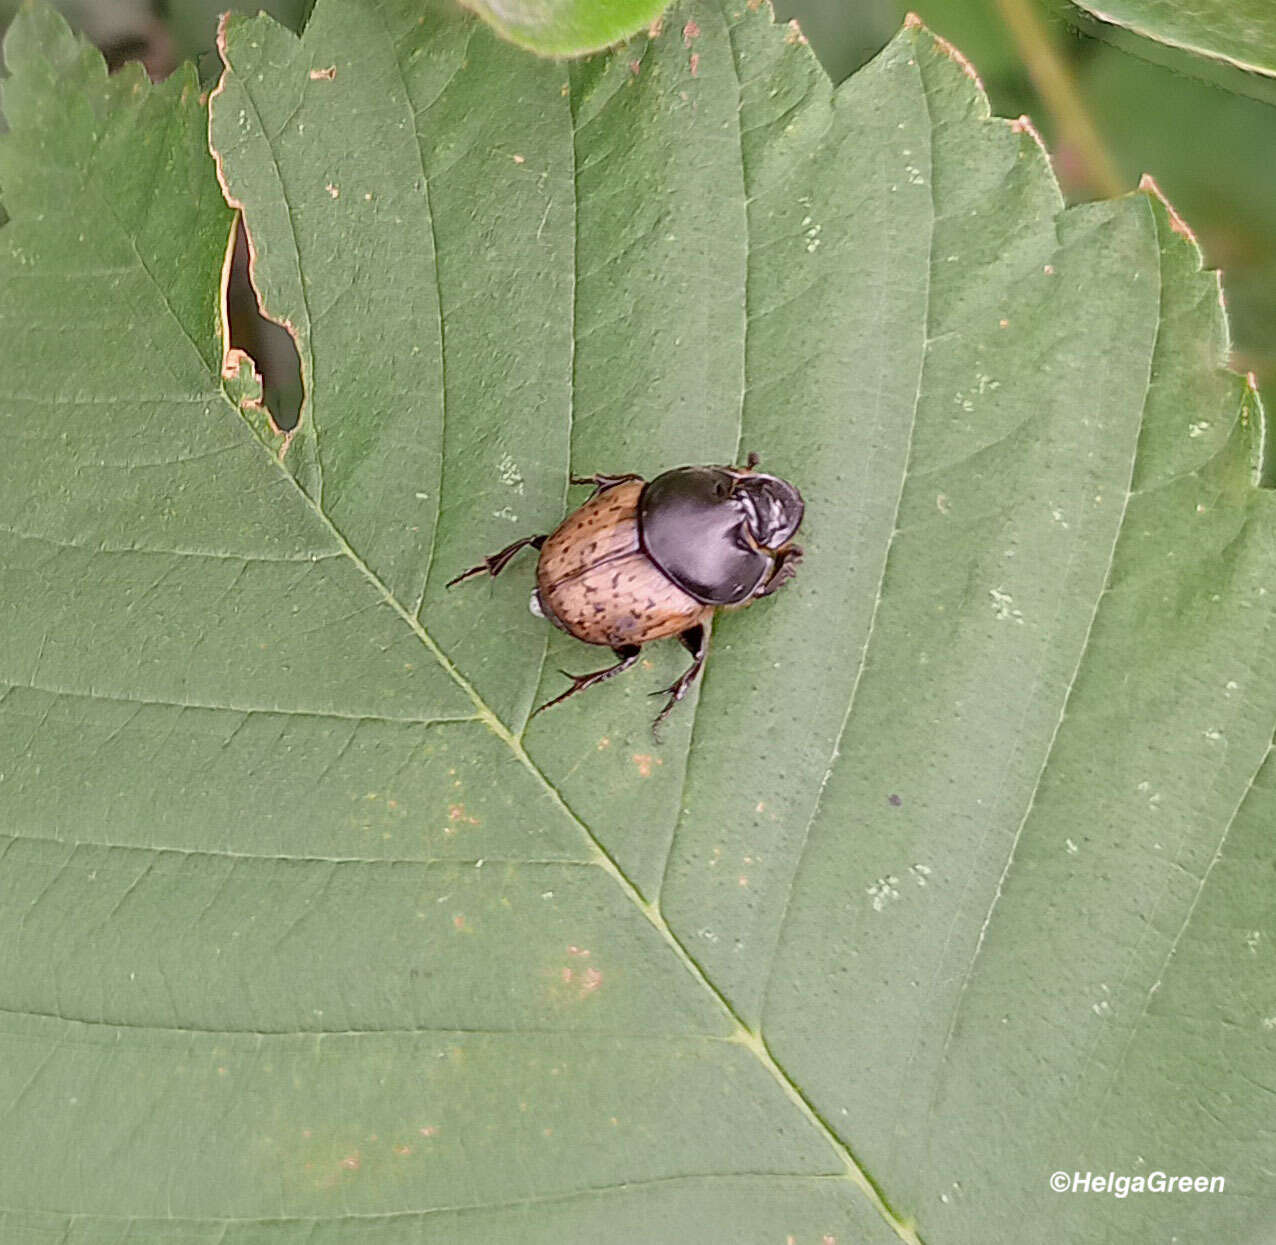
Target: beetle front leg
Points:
x,y
695,641
628,654
602,483
786,564
495,563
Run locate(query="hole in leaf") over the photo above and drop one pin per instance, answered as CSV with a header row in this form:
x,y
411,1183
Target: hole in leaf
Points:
x,y
268,344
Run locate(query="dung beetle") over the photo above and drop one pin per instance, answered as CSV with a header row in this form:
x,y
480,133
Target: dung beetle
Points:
x,y
645,559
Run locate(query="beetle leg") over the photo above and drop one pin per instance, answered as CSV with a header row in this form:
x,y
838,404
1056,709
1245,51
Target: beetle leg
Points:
x,y
602,483
495,563
695,642
786,564
628,654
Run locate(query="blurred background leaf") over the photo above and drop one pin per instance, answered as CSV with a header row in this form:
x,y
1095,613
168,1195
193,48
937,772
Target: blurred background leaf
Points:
x,y
1240,31
158,33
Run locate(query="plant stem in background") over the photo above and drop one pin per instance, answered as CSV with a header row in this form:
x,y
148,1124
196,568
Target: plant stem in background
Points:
x,y
1078,136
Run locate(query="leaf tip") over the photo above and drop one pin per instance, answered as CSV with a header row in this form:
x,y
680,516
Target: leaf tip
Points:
x,y
38,30
1022,124
223,24
1148,185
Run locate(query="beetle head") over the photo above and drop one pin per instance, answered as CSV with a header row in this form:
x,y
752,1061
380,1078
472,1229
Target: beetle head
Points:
x,y
715,531
772,507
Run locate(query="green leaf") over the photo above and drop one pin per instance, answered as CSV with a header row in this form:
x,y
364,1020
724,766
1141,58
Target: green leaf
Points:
x,y
956,872
567,27
1240,31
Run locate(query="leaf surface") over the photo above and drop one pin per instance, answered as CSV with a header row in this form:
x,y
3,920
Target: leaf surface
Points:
x,y
963,839
1240,31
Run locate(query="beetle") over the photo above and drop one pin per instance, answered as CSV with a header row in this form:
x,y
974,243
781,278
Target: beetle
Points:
x,y
644,559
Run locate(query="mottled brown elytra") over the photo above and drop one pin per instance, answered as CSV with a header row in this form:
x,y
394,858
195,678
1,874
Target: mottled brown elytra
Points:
x,y
645,559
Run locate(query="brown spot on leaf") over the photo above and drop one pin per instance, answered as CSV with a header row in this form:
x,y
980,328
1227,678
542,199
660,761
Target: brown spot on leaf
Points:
x,y
323,75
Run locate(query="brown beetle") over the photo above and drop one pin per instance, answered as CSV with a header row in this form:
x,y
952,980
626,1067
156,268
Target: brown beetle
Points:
x,y
641,560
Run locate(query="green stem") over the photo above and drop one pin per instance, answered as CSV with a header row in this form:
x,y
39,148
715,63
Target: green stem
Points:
x,y
1058,90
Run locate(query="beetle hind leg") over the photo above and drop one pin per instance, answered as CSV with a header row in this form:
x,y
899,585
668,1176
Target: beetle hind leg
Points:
x,y
696,643
495,563
628,654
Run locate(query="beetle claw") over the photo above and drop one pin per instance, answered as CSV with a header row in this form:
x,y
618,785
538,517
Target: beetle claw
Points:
x,y
675,695
694,641
786,564
628,655
481,569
